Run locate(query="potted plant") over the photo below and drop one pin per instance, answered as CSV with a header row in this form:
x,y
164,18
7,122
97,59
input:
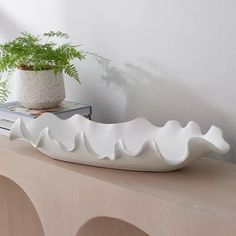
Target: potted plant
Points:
x,y
40,61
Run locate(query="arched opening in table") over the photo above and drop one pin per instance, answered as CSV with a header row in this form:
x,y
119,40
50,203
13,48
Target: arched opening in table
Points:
x,y
18,215
108,226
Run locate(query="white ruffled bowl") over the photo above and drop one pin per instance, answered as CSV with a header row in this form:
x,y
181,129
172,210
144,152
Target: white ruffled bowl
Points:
x,y
133,145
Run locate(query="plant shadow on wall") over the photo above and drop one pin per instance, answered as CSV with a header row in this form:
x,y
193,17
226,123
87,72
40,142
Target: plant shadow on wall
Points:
x,y
160,98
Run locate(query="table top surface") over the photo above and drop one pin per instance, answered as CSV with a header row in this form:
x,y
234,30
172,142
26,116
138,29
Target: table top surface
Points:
x,y
207,186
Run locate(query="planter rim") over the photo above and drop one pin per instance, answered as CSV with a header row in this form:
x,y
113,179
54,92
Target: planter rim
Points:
x,y
36,70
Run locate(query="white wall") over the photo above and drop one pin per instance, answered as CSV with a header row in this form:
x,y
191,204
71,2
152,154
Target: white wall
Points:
x,y
170,59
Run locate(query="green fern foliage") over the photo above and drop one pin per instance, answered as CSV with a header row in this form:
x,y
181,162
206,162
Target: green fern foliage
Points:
x,y
42,52
37,53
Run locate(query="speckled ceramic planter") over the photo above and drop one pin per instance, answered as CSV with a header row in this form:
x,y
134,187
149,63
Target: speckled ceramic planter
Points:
x,y
40,89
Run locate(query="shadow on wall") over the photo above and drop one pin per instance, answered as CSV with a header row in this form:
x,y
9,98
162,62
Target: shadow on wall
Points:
x,y
107,226
159,99
9,28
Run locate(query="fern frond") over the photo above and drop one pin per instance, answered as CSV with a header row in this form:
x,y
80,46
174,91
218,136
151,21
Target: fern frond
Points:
x,y
56,34
72,72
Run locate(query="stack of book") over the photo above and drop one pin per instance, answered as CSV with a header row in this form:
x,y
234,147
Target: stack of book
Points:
x,y
11,111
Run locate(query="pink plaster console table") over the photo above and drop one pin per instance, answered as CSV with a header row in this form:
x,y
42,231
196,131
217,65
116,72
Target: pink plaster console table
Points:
x,y
40,196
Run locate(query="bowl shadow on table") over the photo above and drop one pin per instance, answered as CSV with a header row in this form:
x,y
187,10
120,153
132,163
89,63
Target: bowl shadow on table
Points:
x,y
159,98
